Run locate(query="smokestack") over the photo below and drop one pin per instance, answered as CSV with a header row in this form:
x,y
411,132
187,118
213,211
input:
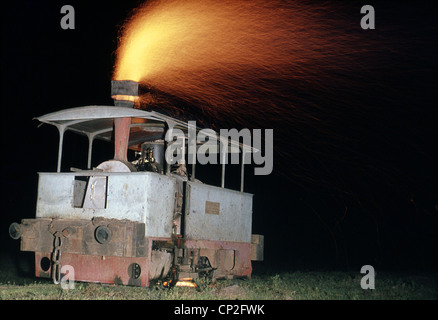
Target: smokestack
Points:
x,y
125,94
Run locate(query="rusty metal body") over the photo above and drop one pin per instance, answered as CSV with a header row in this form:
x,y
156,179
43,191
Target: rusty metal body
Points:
x,y
120,223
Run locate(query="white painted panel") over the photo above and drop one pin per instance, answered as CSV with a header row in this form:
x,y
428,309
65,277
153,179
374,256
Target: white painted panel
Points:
x,y
138,196
231,223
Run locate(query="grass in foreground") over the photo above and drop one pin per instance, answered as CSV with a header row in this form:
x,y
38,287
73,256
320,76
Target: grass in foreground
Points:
x,y
281,286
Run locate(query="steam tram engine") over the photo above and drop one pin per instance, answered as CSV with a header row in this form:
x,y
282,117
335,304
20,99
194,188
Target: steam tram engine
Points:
x,y
135,222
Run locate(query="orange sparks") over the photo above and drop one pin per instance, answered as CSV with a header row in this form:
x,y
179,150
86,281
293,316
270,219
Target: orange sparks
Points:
x,y
184,282
125,97
239,59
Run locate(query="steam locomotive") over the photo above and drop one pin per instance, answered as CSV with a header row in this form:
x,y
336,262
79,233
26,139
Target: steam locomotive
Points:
x,y
135,222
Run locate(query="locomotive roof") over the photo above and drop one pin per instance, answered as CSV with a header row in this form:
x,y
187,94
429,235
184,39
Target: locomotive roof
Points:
x,y
96,122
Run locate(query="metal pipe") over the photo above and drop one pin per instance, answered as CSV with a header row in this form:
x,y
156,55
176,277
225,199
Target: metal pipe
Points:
x,y
223,169
183,151
61,130
90,150
125,94
167,161
242,171
122,127
192,178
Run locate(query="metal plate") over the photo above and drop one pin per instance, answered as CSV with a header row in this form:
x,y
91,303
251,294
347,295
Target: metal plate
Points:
x,y
214,213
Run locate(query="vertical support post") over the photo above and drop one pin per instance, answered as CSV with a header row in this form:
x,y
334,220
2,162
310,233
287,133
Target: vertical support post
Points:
x,y
167,143
122,127
182,169
165,159
222,157
61,140
242,170
90,150
183,151
191,147
168,140
192,178
223,176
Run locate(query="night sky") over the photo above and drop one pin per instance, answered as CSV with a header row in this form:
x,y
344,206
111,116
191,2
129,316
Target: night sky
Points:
x,y
359,186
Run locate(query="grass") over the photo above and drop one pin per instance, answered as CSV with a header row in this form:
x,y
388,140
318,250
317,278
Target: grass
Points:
x,y
276,286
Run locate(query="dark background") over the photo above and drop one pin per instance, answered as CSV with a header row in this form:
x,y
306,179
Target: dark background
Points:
x,y
332,204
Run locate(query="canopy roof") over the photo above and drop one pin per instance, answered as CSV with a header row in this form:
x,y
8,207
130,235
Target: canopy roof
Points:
x,y
96,122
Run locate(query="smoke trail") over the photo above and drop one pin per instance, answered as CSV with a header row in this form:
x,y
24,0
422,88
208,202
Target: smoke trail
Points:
x,y
238,57
304,68
350,108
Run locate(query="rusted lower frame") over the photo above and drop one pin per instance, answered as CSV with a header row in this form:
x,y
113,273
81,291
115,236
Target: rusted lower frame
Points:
x,y
228,258
125,238
103,268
